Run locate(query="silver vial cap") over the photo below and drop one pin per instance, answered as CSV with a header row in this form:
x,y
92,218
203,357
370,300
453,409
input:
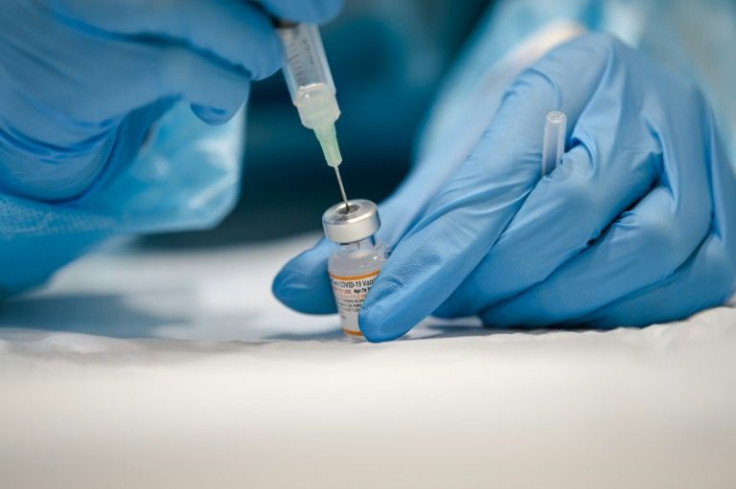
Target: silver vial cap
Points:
x,y
358,222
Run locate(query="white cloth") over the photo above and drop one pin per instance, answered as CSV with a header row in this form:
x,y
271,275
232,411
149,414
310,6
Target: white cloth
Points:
x,y
179,370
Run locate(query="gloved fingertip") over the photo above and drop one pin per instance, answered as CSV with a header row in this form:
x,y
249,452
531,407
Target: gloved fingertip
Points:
x,y
395,303
303,283
302,294
310,262
445,311
211,115
326,10
377,326
509,315
315,11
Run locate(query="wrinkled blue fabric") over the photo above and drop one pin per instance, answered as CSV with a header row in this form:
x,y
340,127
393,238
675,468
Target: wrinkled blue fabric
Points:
x,y
96,134
635,226
186,177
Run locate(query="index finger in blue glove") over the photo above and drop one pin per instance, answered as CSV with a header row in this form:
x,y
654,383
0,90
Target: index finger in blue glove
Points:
x,y
215,90
479,200
316,11
234,31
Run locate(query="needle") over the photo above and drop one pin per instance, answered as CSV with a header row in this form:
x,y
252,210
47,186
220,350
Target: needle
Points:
x,y
342,189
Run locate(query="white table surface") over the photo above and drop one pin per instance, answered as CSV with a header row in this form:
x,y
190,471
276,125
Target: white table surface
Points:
x,y
179,370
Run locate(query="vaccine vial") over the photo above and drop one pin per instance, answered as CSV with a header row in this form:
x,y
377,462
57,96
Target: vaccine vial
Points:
x,y
354,266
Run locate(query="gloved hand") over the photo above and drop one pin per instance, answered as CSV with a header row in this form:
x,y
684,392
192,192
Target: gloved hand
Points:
x,y
637,225
84,79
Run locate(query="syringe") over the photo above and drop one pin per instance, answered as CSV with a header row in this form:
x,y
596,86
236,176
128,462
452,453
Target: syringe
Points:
x,y
311,87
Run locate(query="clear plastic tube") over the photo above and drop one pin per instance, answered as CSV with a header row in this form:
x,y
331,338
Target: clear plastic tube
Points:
x,y
553,146
310,84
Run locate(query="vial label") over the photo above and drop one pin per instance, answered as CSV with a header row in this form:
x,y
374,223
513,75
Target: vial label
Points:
x,y
350,294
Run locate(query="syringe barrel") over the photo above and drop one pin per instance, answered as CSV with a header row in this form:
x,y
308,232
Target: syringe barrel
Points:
x,y
308,75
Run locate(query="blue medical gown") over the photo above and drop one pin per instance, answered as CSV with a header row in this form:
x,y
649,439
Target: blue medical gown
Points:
x,y
186,174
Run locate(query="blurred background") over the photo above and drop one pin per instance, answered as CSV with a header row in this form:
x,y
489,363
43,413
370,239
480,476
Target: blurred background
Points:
x,y
387,59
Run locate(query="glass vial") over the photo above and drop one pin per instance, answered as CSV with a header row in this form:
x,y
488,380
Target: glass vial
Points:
x,y
354,266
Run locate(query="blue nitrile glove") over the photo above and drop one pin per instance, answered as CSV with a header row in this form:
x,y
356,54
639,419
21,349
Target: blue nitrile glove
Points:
x,y
84,82
72,71
637,225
